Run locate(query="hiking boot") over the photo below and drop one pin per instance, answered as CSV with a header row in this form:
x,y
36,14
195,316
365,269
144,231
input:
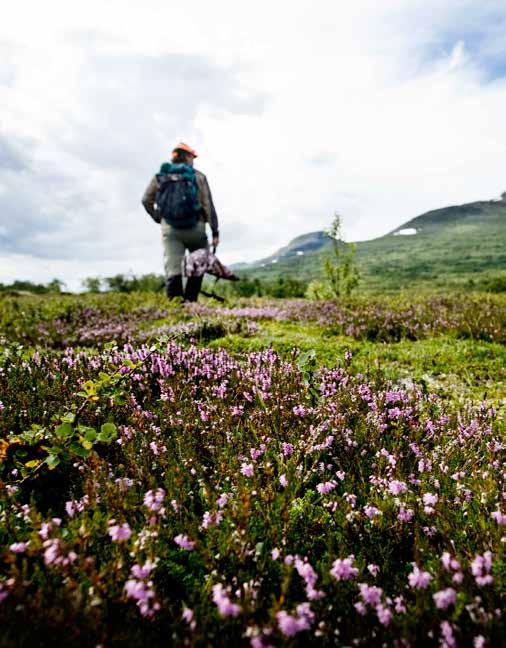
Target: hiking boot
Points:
x,y
174,287
193,285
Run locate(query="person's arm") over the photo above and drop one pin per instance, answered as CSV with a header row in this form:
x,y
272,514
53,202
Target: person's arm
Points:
x,y
213,216
148,200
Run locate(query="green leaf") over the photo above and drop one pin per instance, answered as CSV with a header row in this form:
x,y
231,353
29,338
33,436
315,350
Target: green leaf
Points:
x,y
90,388
89,433
33,463
64,431
108,433
69,417
52,461
78,450
119,398
104,378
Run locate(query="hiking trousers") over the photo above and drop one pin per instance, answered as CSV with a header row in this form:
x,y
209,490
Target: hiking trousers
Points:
x,y
177,241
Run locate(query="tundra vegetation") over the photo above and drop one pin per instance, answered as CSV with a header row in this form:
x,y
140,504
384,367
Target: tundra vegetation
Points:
x,y
272,472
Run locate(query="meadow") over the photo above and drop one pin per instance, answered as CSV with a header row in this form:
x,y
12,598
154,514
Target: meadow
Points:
x,y
263,472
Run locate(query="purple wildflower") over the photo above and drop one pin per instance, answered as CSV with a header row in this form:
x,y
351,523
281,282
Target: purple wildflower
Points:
x,y
247,469
184,542
445,598
371,595
119,532
419,579
397,487
222,600
342,568
18,547
153,499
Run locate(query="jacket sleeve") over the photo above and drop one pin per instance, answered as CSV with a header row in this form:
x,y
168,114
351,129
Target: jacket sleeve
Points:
x,y
208,205
148,200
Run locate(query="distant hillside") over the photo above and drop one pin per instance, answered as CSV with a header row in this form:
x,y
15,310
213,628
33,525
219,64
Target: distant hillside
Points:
x,y
456,246
304,244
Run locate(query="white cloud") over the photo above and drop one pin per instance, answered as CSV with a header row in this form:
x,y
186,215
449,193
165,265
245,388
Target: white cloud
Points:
x,y
377,110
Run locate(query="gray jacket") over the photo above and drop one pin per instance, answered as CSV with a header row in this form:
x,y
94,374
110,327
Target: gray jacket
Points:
x,y
208,215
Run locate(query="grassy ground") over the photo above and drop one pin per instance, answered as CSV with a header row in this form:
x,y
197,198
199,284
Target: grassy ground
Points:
x,y
448,366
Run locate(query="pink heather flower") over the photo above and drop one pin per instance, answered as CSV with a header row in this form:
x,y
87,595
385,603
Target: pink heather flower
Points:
x,y
405,515
480,568
445,598
326,487
458,577
187,615
400,606
419,579
153,499
447,637
430,499
290,625
275,553
18,547
51,551
288,559
258,642
448,562
247,469
222,600
144,595
499,517
360,608
283,480
371,595
397,487
479,641
184,542
3,592
45,529
488,579
373,570
138,590
384,614
70,509
223,499
310,577
211,519
371,511
142,571
287,449
342,568
119,532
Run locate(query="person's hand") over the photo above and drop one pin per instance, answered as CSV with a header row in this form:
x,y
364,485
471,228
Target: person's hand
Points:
x,y
216,241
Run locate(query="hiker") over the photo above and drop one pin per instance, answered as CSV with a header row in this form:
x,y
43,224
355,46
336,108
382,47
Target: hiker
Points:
x,y
180,200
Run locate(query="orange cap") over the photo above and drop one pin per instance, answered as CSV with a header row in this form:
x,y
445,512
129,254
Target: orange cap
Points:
x,y
184,147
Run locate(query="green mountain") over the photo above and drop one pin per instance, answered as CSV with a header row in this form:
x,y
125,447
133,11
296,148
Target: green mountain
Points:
x,y
461,246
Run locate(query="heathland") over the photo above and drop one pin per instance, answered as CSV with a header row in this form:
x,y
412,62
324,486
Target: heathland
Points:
x,y
261,473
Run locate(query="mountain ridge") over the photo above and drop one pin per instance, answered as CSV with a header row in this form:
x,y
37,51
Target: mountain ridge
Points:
x,y
455,243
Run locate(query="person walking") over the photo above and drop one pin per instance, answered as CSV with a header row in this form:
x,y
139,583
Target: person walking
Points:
x,y
179,199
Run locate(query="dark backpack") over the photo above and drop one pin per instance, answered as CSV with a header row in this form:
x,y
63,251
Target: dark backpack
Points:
x,y
177,197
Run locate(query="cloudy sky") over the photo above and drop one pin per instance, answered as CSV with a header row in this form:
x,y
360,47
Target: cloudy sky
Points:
x,y
377,110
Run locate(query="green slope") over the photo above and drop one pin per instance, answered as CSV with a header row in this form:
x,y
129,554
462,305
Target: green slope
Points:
x,y
460,247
